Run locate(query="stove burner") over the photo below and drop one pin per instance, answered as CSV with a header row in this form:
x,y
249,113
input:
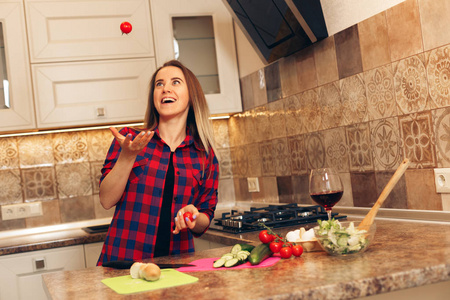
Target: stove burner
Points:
x,y
275,216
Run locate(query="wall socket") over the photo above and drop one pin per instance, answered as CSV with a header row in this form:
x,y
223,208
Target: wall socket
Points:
x,y
21,210
442,180
253,184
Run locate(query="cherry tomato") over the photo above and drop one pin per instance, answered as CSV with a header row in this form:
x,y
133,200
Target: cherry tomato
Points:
x,y
126,27
297,250
286,252
265,237
188,214
275,247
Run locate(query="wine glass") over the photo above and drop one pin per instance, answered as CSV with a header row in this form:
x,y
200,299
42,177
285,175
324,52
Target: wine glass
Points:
x,y
325,188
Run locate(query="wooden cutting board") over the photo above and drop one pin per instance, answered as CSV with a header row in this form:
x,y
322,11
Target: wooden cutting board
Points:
x,y
128,285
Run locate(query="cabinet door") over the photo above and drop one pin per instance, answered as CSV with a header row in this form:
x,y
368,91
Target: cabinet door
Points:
x,y
21,274
92,253
16,111
73,30
189,19
90,93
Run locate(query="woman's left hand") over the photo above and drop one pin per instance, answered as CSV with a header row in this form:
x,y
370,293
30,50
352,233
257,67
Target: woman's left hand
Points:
x,y
183,223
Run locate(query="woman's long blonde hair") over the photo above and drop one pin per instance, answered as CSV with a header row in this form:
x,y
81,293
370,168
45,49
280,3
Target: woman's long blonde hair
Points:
x,y
198,120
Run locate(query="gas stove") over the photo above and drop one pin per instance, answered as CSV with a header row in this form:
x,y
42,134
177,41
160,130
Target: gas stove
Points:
x,y
274,216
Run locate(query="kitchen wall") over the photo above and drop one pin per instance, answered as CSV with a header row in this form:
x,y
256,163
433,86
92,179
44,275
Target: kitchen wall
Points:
x,y
62,170
359,101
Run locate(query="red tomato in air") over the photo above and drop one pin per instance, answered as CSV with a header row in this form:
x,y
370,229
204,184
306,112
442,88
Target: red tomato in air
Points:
x,y
286,252
188,215
126,27
297,250
275,247
265,237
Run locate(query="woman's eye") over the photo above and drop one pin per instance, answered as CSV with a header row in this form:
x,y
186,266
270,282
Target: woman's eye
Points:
x,y
176,82
159,84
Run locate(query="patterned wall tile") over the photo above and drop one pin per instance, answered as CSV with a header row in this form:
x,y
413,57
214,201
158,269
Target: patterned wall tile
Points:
x,y
273,82
330,106
418,139
51,215
99,142
364,190
306,69
96,173
35,150
99,211
298,157
74,180
326,62
300,189
221,136
438,74
262,124
434,21
410,82
282,157
288,76
259,88
421,191
348,52
70,147
441,128
293,113
311,114
380,93
9,154
347,197
39,183
397,197
374,51
277,119
267,158
247,93
250,126
254,160
315,151
240,161
285,189
236,134
405,35
77,209
336,149
359,147
387,144
354,101
11,183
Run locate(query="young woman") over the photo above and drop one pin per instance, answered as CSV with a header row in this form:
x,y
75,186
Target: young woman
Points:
x,y
154,175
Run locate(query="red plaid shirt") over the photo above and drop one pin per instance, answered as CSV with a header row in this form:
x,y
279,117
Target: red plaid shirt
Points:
x,y
133,229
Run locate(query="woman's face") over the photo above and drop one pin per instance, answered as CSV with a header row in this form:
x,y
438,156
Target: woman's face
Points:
x,y
171,95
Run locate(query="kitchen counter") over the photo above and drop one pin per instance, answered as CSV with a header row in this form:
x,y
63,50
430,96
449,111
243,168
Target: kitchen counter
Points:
x,y
404,254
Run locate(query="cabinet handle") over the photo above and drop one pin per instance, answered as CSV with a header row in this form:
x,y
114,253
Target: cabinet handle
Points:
x,y
100,111
39,263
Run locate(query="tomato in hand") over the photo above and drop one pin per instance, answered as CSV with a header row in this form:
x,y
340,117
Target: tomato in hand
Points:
x,y
275,247
188,215
265,237
297,250
286,252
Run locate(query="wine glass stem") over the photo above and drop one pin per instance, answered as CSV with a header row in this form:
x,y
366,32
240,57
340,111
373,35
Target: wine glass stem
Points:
x,y
329,214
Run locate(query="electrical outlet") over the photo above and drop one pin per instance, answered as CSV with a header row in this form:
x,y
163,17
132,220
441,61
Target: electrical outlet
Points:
x,y
253,184
21,210
442,180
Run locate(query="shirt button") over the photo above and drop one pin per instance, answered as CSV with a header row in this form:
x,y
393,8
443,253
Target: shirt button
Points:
x,y
176,198
178,172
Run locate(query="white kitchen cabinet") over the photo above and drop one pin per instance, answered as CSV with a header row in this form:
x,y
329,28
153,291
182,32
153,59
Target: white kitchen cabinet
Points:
x,y
203,40
21,274
92,253
91,92
74,30
18,113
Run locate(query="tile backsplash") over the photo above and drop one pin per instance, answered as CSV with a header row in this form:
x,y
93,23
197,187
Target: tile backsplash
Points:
x,y
359,101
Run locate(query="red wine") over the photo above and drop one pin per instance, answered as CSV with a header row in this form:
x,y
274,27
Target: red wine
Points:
x,y
327,199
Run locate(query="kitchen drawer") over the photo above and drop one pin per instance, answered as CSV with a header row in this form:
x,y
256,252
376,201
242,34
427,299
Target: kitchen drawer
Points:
x,y
71,30
91,93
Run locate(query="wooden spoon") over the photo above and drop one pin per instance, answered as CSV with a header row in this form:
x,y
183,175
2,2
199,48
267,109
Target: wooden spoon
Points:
x,y
369,218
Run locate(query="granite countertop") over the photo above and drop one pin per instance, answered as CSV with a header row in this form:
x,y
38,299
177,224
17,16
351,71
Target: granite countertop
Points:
x,y
404,254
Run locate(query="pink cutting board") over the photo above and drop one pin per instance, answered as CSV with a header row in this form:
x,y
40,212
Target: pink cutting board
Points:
x,y
206,264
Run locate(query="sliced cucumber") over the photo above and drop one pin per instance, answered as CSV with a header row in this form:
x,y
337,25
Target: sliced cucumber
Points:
x,y
219,263
241,247
227,256
232,262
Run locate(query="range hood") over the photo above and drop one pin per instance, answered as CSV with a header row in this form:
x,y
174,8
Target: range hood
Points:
x,y
279,28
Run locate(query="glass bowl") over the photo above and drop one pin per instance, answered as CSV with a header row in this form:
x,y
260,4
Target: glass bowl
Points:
x,y
344,238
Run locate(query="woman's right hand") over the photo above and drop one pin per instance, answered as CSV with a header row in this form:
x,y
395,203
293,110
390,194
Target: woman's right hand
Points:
x,y
129,146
